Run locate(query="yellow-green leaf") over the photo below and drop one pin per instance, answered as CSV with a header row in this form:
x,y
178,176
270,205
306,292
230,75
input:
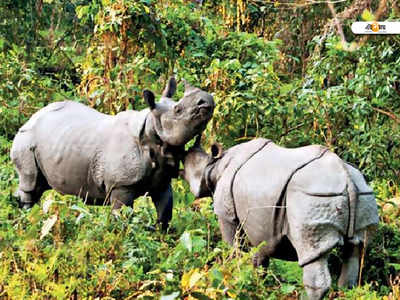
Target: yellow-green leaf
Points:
x,y
185,280
194,278
367,15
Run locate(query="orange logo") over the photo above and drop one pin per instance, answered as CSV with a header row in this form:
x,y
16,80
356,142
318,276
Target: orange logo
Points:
x,y
375,27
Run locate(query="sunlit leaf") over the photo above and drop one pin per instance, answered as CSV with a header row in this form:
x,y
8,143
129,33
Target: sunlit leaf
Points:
x,y
47,225
367,16
186,241
172,296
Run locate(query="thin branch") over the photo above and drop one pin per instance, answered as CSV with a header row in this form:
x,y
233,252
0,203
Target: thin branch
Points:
x,y
307,3
291,129
389,114
337,22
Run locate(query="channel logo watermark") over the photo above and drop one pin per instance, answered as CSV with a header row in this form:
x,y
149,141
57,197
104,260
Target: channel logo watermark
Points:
x,y
376,27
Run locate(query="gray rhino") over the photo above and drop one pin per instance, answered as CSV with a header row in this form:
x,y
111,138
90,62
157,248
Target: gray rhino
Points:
x,y
76,150
302,202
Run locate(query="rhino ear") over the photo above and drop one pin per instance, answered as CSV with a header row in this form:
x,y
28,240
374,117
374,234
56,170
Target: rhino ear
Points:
x,y
188,87
149,98
216,150
170,88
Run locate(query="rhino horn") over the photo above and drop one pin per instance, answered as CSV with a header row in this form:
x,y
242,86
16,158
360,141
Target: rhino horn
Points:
x,y
216,150
149,98
170,88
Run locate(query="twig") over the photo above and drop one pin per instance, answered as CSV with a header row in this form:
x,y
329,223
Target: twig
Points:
x,y
362,257
338,25
389,114
291,129
306,3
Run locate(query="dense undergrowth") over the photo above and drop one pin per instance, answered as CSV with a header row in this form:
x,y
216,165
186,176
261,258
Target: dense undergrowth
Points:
x,y
278,71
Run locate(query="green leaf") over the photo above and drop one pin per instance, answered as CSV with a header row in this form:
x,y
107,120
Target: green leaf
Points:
x,y
287,288
172,296
186,241
194,278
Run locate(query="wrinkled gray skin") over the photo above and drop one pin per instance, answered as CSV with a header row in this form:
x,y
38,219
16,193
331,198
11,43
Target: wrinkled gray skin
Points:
x,y
316,214
76,150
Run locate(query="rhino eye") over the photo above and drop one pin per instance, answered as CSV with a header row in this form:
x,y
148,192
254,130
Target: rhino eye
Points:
x,y
177,109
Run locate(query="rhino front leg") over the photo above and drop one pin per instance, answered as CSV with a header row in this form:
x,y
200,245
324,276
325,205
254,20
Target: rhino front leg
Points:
x,y
351,265
316,278
121,196
260,259
163,202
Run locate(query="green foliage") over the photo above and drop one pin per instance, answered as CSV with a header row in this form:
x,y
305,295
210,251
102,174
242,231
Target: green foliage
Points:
x,y
383,256
24,89
352,97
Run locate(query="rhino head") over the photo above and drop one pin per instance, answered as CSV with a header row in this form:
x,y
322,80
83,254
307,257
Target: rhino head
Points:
x,y
197,167
176,123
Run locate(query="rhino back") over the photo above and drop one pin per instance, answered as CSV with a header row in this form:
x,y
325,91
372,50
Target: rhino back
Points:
x,y
259,189
67,141
323,176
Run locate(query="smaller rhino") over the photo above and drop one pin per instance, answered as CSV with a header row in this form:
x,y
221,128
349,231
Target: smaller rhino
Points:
x,y
302,202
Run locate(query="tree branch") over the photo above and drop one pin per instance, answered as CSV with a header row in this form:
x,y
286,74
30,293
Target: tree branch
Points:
x,y
389,114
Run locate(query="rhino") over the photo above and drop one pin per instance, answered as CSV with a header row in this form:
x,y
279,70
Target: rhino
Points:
x,y
77,150
294,204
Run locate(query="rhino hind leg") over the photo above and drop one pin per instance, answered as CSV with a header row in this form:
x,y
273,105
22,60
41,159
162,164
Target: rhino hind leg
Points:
x,y
32,183
316,278
351,266
29,198
25,199
228,230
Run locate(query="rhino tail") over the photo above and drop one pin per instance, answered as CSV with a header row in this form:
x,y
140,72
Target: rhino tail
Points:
x,y
352,193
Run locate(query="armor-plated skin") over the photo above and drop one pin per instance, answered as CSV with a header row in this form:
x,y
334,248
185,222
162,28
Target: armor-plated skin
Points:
x,y
302,202
76,150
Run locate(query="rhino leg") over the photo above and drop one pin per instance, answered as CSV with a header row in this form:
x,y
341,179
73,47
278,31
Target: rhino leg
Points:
x,y
260,259
350,268
316,278
25,200
32,183
121,196
28,199
163,202
228,230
